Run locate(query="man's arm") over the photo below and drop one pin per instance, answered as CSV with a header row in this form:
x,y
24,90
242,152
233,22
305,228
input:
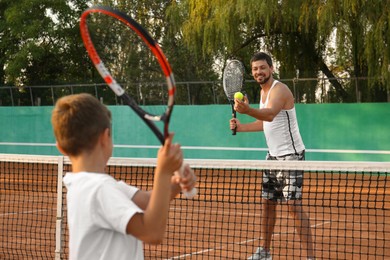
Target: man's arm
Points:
x,y
276,102
255,126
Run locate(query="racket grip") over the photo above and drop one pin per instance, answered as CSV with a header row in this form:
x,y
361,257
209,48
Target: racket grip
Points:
x,y
234,131
188,194
234,114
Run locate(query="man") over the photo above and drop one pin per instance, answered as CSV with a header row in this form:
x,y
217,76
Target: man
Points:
x,y
277,118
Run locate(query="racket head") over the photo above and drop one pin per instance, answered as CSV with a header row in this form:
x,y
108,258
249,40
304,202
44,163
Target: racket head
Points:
x,y
233,78
125,20
233,81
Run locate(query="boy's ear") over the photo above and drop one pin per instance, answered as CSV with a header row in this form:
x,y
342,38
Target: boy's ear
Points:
x,y
109,131
106,134
60,148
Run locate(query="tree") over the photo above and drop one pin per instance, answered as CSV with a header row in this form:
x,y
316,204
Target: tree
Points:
x,y
40,43
377,48
187,66
362,40
297,34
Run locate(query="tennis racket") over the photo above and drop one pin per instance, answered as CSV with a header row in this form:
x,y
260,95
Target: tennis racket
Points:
x,y
233,81
116,38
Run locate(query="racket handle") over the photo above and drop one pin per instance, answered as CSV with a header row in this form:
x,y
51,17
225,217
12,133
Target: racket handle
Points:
x,y
234,114
190,193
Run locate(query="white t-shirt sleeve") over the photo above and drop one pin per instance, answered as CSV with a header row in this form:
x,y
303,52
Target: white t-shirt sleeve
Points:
x,y
130,191
115,206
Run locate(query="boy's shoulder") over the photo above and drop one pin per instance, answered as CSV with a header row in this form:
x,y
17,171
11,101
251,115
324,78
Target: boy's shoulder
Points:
x,y
87,178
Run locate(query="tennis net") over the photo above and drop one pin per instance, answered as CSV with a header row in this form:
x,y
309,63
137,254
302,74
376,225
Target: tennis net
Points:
x,y
348,204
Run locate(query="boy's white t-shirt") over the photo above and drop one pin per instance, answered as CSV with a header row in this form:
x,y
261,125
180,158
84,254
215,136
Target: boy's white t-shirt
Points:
x,y
99,208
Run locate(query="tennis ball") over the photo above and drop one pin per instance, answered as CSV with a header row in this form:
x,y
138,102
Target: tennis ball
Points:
x,y
239,95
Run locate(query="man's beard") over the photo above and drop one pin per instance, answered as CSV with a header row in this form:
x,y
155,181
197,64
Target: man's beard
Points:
x,y
265,80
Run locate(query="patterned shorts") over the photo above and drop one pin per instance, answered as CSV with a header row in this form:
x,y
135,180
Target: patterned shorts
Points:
x,y
282,185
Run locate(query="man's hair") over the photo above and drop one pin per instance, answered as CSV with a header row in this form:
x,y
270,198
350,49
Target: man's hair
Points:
x,y
262,56
78,121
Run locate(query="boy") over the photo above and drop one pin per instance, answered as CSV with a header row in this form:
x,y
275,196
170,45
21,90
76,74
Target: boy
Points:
x,y
109,219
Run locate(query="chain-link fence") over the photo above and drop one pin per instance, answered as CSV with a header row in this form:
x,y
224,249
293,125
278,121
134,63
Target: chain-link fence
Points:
x,y
305,90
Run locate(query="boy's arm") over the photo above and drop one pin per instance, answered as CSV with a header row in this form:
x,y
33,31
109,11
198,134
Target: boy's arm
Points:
x,y
142,197
150,225
186,182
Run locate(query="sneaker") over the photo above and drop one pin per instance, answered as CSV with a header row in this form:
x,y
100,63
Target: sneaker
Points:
x,y
261,254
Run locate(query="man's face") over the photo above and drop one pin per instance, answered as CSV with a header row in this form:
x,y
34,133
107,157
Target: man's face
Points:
x,y
261,71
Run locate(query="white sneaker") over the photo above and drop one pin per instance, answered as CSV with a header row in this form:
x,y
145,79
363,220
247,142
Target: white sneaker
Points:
x,y
261,254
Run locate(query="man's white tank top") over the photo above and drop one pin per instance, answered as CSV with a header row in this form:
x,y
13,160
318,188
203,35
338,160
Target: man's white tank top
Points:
x,y
282,134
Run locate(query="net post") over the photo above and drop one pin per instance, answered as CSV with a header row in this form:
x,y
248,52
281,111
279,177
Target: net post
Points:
x,y
58,249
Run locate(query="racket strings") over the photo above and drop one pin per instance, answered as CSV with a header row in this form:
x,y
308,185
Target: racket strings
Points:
x,y
233,79
130,61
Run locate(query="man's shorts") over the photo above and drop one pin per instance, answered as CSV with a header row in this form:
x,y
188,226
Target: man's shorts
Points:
x,y
282,185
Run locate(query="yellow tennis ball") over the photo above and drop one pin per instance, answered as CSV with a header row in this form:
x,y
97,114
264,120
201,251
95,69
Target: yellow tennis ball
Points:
x,y
239,95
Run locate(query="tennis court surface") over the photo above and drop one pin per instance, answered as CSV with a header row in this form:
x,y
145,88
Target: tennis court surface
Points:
x,y
348,204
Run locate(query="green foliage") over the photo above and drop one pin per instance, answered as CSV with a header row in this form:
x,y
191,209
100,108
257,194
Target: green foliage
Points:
x,y
300,34
378,41
362,41
41,44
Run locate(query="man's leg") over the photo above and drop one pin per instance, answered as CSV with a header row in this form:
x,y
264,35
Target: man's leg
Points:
x,y
302,225
268,220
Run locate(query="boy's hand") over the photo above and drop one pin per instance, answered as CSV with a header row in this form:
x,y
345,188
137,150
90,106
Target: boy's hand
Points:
x,y
187,180
170,156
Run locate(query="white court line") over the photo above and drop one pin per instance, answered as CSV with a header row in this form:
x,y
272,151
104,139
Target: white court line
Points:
x,y
237,243
180,209
24,212
217,212
224,212
210,148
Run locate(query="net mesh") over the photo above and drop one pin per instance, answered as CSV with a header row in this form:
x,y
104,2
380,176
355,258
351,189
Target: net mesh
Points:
x,y
348,205
28,192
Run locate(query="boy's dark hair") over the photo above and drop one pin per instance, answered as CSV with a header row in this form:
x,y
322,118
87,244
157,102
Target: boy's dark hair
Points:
x,y
78,121
262,56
